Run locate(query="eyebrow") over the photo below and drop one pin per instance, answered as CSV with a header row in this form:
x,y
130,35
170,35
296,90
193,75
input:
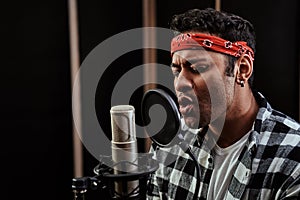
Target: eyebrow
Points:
x,y
188,62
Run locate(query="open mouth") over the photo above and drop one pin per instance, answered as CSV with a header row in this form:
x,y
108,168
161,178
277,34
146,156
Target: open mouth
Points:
x,y
185,105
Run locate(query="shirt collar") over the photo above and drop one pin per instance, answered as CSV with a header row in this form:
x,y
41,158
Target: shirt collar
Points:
x,y
264,112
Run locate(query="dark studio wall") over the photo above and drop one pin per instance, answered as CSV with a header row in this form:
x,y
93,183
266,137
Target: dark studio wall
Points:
x,y
36,151
36,144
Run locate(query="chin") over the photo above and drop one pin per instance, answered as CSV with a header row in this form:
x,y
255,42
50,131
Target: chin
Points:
x,y
191,122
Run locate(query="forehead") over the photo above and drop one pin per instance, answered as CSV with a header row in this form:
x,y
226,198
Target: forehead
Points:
x,y
197,55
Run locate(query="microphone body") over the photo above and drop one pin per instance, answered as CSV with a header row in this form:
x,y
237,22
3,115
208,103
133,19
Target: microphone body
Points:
x,y
124,149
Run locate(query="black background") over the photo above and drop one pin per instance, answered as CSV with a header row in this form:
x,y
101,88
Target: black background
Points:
x,y
36,145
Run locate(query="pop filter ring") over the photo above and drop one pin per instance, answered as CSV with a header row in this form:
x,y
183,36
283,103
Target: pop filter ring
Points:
x,y
164,137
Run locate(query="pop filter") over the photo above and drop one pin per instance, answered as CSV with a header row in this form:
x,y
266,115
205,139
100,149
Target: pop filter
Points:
x,y
167,135
171,133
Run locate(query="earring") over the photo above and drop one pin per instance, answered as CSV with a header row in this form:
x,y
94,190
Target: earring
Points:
x,y
242,83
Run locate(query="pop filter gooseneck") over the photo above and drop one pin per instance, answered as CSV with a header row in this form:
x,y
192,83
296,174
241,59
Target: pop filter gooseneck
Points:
x,y
171,133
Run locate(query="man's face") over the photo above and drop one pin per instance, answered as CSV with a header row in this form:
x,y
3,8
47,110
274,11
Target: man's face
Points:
x,y
203,90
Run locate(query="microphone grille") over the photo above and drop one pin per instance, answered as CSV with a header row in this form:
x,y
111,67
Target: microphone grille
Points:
x,y
123,123
122,108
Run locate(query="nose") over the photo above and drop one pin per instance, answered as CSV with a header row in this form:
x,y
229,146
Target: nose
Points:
x,y
183,82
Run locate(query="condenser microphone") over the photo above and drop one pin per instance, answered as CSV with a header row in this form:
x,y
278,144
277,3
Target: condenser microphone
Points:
x,y
124,149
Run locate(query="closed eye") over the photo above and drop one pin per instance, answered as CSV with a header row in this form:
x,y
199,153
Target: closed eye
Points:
x,y
199,68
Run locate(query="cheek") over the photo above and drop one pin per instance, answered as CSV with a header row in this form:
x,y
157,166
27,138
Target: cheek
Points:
x,y
200,87
211,90
203,97
230,84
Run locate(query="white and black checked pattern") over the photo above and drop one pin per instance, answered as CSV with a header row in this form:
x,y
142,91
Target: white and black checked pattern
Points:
x,y
267,168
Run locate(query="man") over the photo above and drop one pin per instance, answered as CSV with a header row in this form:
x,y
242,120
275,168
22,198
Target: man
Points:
x,y
246,149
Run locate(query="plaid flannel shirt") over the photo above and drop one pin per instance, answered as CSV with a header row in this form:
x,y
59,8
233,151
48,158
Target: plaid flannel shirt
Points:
x,y
267,168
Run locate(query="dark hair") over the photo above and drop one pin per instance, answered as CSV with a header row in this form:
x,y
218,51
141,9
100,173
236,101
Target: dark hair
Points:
x,y
225,25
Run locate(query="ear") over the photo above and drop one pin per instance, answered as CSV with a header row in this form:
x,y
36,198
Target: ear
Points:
x,y
244,68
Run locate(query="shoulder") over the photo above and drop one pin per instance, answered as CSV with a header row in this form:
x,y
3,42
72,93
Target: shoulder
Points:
x,y
270,120
279,139
277,134
280,129
280,125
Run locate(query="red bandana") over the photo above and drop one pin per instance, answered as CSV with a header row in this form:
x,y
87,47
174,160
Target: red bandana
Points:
x,y
198,40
